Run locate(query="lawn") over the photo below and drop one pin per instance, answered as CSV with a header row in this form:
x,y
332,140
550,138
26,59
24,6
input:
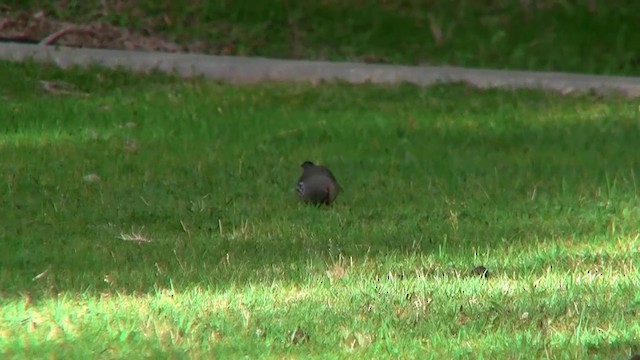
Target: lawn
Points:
x,y
150,217
595,36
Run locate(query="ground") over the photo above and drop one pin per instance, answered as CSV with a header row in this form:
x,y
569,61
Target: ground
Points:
x,y
146,216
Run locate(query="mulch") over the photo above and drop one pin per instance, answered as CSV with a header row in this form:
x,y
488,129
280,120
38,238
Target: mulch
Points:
x,y
37,28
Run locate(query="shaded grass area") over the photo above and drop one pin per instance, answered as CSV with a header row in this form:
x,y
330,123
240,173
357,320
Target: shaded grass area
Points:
x,y
192,242
578,36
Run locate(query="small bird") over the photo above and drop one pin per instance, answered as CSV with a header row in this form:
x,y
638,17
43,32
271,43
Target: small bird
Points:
x,y
317,185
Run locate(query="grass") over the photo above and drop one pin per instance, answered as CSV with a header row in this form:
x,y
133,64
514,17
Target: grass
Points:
x,y
154,218
595,36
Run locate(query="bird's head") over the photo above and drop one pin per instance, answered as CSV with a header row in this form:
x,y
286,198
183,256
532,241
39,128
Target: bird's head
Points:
x,y
306,164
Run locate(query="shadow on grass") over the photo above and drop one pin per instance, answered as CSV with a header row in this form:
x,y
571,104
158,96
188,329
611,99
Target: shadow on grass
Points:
x,y
594,36
442,174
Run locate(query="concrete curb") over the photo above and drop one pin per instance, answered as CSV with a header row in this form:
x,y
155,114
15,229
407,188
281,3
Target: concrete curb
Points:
x,y
251,70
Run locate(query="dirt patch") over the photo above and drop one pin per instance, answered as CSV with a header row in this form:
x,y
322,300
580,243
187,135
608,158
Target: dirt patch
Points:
x,y
38,28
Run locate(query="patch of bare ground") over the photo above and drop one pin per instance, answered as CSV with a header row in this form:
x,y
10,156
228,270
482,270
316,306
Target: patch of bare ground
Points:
x,y
39,28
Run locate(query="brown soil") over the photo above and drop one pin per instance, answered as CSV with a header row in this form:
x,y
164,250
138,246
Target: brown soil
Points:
x,y
38,28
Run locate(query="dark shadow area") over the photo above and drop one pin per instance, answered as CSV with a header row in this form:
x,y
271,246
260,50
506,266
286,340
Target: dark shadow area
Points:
x,y
575,36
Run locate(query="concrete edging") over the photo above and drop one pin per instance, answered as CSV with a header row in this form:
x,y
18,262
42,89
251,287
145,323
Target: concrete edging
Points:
x,y
252,70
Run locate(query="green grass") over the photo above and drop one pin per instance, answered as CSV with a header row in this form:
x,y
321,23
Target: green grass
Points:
x,y
543,35
541,189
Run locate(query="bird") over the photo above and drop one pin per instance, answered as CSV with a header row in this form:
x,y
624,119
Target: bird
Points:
x,y
317,185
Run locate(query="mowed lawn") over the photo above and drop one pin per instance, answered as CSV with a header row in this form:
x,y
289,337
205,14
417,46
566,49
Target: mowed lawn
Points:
x,y
150,217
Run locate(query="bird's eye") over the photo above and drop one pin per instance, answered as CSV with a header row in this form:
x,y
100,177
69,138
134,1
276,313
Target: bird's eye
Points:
x,y
301,187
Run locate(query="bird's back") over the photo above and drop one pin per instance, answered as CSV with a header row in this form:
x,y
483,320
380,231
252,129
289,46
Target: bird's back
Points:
x,y
318,185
